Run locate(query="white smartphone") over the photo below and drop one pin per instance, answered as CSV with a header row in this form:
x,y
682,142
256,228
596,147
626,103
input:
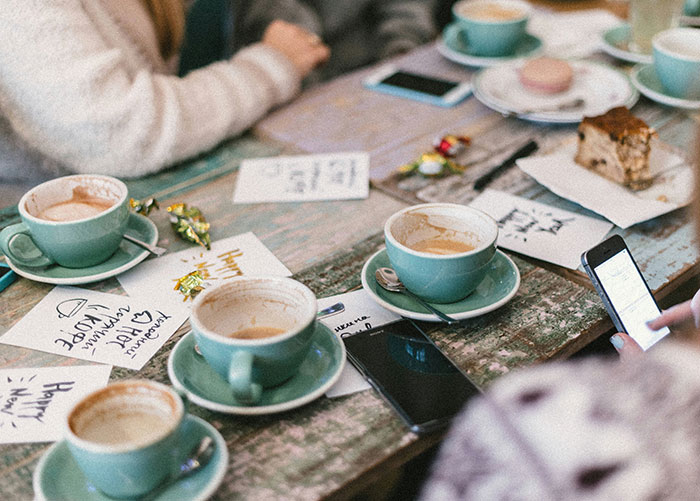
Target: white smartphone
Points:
x,y
428,89
624,292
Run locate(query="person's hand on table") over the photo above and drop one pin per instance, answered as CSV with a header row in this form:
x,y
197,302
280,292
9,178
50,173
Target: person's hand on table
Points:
x,y
675,315
304,49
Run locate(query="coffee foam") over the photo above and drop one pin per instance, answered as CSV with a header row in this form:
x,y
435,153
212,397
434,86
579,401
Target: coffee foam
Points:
x,y
124,414
490,12
72,189
413,228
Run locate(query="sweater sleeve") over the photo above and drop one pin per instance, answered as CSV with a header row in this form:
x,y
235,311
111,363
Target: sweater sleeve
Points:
x,y
78,100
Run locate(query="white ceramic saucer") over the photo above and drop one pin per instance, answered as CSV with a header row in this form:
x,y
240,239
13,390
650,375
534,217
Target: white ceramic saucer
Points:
x,y
600,86
644,78
498,287
453,47
126,257
189,372
57,475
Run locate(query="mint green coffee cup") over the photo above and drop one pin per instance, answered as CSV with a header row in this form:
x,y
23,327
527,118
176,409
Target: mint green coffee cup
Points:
x,y
74,221
440,251
492,28
254,331
676,55
127,437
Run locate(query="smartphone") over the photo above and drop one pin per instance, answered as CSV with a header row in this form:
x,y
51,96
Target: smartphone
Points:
x,y
424,88
403,364
7,276
624,291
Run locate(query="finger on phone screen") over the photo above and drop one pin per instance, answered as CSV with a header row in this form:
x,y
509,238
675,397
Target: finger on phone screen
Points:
x,y
675,315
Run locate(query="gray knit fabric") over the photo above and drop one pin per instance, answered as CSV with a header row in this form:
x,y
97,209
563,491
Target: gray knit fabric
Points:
x,y
588,430
358,32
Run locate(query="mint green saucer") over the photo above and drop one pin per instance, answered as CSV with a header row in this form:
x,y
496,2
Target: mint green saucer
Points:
x,y
645,80
57,475
189,372
496,289
126,257
453,47
616,43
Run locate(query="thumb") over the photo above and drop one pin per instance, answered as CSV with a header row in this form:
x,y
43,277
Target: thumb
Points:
x,y
626,346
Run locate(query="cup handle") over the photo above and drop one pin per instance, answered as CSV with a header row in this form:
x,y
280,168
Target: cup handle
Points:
x,y
8,235
240,378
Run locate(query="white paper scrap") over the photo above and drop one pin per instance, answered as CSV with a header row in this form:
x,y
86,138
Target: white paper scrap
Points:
x,y
96,326
236,256
34,402
337,176
672,187
360,313
540,231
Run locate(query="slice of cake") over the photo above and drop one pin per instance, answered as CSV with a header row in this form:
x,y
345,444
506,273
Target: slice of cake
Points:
x,y
616,145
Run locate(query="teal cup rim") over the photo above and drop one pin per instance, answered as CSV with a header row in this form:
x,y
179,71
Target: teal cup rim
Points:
x,y
89,446
488,240
658,39
519,4
25,214
307,317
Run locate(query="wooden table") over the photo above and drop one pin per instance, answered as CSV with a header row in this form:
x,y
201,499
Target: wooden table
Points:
x,y
337,447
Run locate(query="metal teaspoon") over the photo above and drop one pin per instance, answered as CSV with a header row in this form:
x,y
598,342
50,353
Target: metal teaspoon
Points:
x,y
389,280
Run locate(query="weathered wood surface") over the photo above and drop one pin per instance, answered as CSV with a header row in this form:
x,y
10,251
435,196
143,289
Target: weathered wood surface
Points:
x,y
327,445
396,131
334,447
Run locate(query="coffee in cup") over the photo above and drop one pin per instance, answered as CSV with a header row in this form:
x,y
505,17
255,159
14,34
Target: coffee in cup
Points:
x,y
124,436
492,28
74,221
440,251
676,55
254,331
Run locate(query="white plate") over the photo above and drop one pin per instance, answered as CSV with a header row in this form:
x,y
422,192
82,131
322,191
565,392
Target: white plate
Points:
x,y
600,86
644,78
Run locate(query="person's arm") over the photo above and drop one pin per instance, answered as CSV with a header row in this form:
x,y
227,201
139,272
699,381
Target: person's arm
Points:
x,y
404,25
76,99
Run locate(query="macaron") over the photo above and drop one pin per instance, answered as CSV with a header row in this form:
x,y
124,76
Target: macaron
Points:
x,y
546,75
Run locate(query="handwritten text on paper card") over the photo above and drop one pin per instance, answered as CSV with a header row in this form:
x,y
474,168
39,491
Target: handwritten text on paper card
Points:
x,y
34,402
96,326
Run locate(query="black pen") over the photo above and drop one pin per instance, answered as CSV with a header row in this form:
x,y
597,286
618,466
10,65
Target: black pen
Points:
x,y
523,151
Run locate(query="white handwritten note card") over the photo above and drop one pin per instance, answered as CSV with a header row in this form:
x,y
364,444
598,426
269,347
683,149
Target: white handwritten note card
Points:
x,y
243,254
337,176
96,326
359,313
34,402
541,231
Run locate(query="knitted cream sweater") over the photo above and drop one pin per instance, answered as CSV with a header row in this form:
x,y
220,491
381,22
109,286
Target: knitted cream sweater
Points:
x,y
84,89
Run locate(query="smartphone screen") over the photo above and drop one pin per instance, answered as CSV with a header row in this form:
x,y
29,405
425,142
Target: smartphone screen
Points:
x,y
629,295
419,83
404,365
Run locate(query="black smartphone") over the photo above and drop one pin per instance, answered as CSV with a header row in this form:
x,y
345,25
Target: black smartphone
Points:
x,y
412,85
410,372
624,292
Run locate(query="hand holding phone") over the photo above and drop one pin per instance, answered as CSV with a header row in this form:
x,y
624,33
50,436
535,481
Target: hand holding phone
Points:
x,y
424,88
625,293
